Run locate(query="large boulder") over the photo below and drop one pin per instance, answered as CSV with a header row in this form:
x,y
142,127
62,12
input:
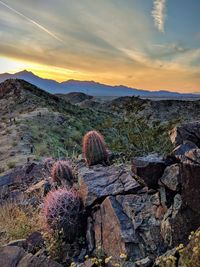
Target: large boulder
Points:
x,y
129,224
149,168
98,182
186,132
183,216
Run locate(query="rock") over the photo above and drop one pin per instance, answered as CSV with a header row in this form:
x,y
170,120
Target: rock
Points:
x,y
149,168
34,242
30,260
184,214
18,243
128,223
10,256
186,132
190,186
193,156
146,262
98,182
171,177
42,187
6,180
17,257
180,150
25,173
87,263
90,235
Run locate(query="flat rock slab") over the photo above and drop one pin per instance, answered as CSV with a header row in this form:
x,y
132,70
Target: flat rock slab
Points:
x,y
98,182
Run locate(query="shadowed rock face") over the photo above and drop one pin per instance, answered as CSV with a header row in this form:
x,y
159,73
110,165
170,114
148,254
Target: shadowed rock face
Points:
x,y
149,168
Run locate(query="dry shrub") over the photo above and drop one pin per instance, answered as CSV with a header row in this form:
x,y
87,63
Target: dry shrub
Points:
x,y
17,222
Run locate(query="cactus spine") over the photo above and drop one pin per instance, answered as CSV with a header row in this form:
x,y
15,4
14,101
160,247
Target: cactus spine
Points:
x,y
62,173
94,148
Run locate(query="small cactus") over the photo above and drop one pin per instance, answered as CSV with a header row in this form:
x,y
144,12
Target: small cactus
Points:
x,y
61,173
61,212
94,148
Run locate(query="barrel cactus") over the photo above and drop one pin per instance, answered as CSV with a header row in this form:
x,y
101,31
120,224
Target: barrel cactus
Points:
x,y
61,211
94,148
61,173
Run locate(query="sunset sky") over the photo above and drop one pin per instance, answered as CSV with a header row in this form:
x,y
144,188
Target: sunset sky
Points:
x,y
148,44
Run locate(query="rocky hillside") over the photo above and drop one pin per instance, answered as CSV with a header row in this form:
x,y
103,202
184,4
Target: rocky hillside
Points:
x,y
35,123
144,214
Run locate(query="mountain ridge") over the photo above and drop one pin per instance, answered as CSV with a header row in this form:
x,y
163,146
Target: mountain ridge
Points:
x,y
91,87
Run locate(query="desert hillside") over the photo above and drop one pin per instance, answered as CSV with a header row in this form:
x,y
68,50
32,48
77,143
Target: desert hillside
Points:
x,y
94,182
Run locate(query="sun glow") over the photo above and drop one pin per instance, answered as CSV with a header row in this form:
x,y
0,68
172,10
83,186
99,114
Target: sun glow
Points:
x,y
44,71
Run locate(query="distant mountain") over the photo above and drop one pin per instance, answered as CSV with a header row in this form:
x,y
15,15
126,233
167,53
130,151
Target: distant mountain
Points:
x,y
90,87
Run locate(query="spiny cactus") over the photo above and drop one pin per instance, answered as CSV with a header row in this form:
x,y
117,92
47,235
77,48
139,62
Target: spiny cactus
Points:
x,y
94,148
61,212
62,173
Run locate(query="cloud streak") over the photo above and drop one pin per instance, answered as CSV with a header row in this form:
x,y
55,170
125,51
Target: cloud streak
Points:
x,y
159,14
32,21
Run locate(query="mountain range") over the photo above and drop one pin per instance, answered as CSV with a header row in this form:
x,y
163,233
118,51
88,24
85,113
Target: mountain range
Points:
x,y
91,88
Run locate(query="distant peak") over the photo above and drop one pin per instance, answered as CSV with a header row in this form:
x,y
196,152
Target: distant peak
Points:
x,y
25,72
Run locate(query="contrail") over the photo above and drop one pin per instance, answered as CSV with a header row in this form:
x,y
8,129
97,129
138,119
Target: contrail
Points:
x,y
159,14
32,21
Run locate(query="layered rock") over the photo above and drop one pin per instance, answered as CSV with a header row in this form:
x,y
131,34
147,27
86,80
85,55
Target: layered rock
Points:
x,y
98,182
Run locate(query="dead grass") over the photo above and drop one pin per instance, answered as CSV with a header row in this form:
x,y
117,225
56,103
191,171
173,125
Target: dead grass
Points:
x,y
17,222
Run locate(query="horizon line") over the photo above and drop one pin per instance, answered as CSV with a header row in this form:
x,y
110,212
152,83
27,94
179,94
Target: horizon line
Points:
x,y
132,88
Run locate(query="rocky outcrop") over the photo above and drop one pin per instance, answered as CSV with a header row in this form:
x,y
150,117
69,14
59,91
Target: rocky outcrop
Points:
x,y
145,212
141,213
17,257
186,132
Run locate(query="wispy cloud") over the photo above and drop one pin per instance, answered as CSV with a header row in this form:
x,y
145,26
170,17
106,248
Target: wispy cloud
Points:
x,y
159,14
32,21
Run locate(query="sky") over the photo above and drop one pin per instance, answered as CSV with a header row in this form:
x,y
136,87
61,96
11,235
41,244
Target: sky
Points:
x,y
146,44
